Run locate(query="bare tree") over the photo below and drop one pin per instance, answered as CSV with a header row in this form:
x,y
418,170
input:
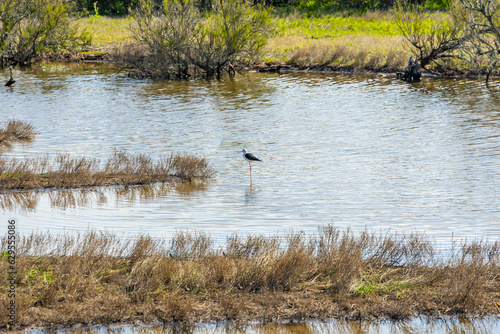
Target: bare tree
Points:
x,y
432,39
470,35
482,20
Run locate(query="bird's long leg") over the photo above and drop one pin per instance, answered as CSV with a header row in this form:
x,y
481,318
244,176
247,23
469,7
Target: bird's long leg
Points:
x,y
249,164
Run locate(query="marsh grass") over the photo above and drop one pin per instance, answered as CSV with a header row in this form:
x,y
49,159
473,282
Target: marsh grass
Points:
x,y
99,277
107,32
361,52
122,168
16,130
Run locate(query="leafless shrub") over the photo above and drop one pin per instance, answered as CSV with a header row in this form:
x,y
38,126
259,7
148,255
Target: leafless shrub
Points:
x,y
20,129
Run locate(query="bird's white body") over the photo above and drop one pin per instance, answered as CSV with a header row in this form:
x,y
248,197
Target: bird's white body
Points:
x,y
249,156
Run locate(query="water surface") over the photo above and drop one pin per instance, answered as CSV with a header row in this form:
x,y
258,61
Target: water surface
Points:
x,y
415,326
356,151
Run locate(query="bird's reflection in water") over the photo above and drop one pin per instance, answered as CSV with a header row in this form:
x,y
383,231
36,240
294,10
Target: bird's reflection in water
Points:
x,y
251,194
82,198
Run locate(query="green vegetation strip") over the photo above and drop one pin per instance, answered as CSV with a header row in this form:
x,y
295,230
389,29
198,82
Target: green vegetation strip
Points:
x,y
330,26
122,168
98,277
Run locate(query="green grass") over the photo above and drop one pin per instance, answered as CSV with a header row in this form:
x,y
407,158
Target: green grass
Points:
x,y
335,27
107,31
398,289
365,289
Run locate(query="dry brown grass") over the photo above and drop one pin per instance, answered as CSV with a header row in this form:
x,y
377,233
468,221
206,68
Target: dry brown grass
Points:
x,y
16,130
97,277
122,168
354,52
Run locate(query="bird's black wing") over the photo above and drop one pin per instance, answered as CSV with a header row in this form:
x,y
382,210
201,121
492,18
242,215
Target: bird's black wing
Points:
x,y
252,157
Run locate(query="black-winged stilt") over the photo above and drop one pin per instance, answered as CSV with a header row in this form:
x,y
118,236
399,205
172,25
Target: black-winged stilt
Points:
x,y
11,80
249,157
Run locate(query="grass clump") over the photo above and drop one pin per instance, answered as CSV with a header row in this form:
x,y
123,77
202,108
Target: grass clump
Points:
x,y
98,277
122,168
16,130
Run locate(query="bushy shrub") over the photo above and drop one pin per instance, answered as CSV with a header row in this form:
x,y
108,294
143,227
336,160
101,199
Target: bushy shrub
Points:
x,y
181,36
29,27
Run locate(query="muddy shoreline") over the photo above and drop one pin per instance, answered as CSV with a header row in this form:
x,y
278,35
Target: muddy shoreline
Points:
x,y
107,56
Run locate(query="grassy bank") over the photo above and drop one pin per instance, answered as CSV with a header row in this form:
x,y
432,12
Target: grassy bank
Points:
x,y
65,171
370,41
96,277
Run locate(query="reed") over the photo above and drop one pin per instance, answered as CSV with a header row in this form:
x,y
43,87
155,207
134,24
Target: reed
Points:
x,y
16,130
65,171
99,277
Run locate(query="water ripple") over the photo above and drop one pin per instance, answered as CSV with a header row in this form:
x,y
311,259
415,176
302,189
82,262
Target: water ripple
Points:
x,y
353,150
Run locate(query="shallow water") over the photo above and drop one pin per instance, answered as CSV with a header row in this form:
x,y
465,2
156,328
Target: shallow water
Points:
x,y
356,151
418,325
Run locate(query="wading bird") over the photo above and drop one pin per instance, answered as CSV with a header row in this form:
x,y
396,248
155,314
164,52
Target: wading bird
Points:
x,y
249,157
11,80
